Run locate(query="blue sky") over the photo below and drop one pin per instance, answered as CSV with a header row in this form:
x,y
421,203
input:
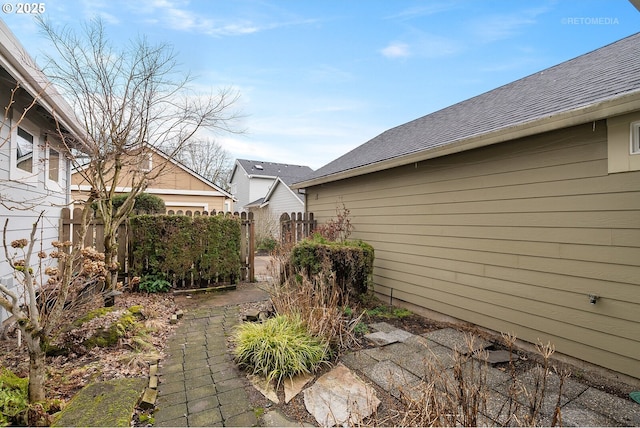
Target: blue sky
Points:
x,y
318,78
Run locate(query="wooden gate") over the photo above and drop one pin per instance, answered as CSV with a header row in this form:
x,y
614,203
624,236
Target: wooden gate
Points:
x,y
296,227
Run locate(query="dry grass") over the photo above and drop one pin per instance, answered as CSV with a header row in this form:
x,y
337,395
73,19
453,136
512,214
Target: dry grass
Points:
x,y
460,395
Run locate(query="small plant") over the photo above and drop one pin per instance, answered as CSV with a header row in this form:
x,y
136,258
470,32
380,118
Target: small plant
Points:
x,y
14,398
347,311
361,328
338,229
388,312
267,244
278,348
155,283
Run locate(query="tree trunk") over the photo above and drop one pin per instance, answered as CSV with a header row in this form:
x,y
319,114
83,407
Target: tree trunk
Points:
x,y
37,368
111,257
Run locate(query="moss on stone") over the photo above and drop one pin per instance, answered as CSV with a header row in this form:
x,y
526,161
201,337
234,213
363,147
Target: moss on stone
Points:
x,y
105,338
103,404
96,313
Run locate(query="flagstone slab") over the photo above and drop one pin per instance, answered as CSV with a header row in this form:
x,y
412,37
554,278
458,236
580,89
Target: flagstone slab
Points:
x,y
268,389
340,398
386,334
456,339
391,377
293,386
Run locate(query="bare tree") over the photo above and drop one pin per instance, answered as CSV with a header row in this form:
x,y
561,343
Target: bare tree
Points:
x,y
39,306
130,100
209,159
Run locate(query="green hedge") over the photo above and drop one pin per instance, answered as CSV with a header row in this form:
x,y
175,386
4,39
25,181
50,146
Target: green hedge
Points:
x,y
187,251
351,261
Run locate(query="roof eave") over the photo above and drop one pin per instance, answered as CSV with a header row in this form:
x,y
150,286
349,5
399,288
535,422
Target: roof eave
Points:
x,y
21,66
596,111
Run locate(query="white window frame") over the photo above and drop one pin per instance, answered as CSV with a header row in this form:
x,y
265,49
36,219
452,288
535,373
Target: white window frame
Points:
x,y
19,174
146,163
53,184
635,138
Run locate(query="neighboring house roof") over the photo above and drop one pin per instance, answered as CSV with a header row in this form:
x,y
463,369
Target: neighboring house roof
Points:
x,y
23,69
593,86
255,204
273,187
180,165
287,172
192,172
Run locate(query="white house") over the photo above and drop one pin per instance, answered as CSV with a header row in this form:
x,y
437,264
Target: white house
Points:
x,y
253,184
264,188
34,170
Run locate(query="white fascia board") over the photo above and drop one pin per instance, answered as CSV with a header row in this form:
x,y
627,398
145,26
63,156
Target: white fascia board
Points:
x,y
87,188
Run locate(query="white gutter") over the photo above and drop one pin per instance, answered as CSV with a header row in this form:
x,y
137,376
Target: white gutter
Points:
x,y
590,113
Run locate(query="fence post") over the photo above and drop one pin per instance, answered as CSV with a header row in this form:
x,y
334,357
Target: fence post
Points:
x,y
252,252
285,229
247,247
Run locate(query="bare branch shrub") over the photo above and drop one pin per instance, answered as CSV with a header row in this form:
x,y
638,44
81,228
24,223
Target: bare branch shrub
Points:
x,y
48,294
337,229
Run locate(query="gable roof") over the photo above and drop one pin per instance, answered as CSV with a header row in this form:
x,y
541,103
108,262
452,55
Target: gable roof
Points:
x,y
592,86
287,172
274,186
180,165
188,170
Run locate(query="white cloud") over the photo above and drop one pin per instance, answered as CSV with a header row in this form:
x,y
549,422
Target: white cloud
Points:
x,y
180,15
396,50
497,27
428,9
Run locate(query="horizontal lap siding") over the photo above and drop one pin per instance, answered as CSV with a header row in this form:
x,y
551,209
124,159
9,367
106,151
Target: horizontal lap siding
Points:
x,y
512,237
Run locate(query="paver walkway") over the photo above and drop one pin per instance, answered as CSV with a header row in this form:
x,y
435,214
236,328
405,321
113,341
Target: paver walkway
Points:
x,y
200,385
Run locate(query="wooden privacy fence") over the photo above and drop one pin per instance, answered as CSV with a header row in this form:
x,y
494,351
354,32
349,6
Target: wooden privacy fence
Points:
x,y
70,231
296,227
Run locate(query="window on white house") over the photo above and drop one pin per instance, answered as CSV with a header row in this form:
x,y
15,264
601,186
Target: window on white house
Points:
x,y
146,162
25,153
54,165
635,137
24,150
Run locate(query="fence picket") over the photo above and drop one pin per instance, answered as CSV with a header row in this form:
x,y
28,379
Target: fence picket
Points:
x,y
296,227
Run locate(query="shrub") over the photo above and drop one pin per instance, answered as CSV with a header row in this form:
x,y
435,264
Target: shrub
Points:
x,y
278,348
350,261
186,251
144,203
267,244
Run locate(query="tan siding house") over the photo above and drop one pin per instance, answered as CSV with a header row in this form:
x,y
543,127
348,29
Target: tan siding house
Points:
x,y
181,188
529,225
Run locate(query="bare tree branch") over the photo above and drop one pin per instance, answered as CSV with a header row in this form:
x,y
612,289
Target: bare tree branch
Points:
x,y
131,100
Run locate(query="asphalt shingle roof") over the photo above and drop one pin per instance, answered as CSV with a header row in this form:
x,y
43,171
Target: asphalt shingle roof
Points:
x,y
287,173
606,73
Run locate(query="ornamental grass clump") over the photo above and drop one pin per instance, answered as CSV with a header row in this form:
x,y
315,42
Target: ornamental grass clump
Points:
x,y
278,348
